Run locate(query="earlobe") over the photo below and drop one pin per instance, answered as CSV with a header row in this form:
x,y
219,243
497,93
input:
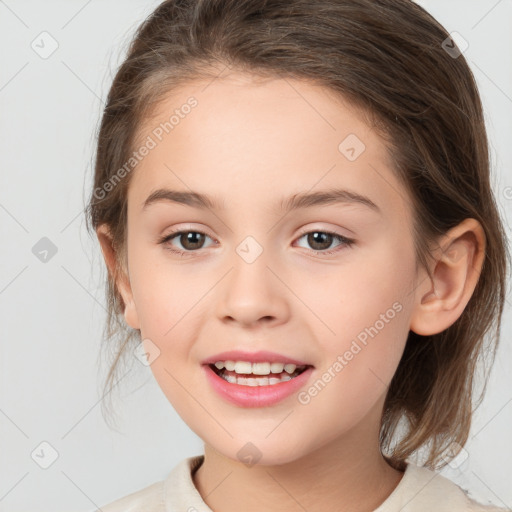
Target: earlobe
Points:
x,y
440,301
118,275
130,314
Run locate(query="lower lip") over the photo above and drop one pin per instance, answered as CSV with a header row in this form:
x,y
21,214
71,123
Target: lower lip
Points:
x,y
256,396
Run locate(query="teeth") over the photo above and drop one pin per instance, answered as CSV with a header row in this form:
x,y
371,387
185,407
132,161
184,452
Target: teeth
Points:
x,y
274,373
289,368
261,381
260,368
276,367
246,367
243,367
229,365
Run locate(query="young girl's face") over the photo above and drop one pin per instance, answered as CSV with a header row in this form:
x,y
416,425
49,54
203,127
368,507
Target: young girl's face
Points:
x,y
265,278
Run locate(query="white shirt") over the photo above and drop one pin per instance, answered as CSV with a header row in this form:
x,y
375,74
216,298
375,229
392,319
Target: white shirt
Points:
x,y
419,490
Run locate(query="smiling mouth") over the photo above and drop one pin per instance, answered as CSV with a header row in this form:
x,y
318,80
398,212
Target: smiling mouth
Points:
x,y
250,379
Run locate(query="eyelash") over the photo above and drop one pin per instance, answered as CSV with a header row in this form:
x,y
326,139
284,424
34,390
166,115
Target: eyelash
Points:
x,y
347,242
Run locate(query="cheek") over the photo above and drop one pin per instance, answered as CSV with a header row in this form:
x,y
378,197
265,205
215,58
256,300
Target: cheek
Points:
x,y
357,366
167,298
354,295
366,307
160,290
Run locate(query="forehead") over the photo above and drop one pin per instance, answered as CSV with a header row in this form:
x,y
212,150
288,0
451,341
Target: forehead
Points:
x,y
248,140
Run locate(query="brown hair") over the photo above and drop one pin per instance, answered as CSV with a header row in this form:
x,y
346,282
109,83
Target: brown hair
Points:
x,y
385,56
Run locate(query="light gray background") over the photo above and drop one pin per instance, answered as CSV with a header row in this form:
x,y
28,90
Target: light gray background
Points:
x,y
52,313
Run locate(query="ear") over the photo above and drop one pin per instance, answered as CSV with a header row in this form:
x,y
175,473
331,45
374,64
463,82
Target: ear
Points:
x,y
440,301
118,273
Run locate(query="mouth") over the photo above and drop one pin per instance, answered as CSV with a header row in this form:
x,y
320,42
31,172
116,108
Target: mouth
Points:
x,y
256,384
259,376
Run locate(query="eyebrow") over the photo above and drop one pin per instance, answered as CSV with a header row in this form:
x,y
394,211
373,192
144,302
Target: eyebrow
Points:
x,y
294,202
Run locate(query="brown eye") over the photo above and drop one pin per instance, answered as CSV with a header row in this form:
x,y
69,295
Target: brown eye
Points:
x,y
190,241
319,241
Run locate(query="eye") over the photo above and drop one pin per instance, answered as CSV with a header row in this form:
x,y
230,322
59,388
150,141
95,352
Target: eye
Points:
x,y
191,241
321,240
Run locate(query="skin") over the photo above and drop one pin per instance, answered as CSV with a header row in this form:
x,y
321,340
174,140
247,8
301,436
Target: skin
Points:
x,y
252,143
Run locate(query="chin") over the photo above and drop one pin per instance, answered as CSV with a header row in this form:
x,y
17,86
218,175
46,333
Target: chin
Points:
x,y
260,453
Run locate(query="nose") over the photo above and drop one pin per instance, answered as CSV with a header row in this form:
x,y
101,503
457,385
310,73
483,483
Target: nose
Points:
x,y
253,294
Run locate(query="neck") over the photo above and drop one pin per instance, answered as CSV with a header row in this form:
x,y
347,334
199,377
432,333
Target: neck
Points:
x,y
347,474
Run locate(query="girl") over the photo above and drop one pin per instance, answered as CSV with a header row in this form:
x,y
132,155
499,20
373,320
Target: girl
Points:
x,y
293,203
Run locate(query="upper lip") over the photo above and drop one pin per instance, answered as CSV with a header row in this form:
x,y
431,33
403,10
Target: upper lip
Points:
x,y
261,356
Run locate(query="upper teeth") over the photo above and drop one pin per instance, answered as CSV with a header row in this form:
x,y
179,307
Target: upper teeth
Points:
x,y
256,368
